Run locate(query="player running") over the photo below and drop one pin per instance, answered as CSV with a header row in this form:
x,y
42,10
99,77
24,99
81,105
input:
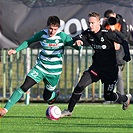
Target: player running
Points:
x,y
104,66
48,65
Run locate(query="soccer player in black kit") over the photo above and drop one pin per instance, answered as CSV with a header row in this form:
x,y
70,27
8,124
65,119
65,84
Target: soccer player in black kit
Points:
x,y
104,66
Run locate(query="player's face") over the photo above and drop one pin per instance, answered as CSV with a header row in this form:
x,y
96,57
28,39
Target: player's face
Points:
x,y
94,24
52,29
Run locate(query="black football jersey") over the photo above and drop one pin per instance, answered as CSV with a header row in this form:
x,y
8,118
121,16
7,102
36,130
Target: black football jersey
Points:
x,y
104,58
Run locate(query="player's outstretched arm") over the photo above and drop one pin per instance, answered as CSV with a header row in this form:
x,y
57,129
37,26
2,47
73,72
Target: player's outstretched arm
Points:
x,y
11,51
26,43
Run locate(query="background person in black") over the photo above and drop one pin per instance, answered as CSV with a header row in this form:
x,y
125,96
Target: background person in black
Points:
x,y
120,28
104,66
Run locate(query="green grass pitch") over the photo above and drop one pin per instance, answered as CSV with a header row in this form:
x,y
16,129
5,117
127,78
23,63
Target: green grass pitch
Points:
x,y
86,118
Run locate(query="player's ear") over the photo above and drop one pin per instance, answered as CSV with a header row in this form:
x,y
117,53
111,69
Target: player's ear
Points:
x,y
99,21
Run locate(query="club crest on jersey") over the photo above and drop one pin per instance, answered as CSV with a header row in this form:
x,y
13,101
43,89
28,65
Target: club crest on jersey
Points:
x,y
102,39
56,41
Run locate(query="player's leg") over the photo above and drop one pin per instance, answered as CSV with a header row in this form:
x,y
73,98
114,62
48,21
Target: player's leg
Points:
x,y
17,94
120,84
109,95
85,80
50,82
31,79
50,96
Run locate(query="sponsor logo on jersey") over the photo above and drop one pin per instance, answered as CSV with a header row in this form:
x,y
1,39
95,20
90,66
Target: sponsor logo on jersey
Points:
x,y
52,45
104,46
95,46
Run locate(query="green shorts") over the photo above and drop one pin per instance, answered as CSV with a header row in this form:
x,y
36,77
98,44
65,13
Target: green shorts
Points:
x,y
50,81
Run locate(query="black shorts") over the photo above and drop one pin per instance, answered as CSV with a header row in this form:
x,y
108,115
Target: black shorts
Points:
x,y
108,75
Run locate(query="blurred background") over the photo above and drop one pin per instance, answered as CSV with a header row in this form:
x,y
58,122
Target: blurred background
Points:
x,y
20,19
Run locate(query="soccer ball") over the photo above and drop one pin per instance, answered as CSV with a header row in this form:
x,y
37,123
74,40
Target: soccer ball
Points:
x,y
53,113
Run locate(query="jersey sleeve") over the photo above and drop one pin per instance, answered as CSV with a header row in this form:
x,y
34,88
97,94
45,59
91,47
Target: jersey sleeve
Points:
x,y
22,46
123,32
35,38
116,38
68,41
83,37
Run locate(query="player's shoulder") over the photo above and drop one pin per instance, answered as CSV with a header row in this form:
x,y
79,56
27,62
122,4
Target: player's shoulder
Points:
x,y
107,33
44,31
62,34
104,30
59,32
86,32
40,34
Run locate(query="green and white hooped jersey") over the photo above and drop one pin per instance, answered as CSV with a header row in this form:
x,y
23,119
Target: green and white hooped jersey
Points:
x,y
50,58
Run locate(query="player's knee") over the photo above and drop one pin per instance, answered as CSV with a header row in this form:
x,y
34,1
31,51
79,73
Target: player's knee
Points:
x,y
24,88
78,89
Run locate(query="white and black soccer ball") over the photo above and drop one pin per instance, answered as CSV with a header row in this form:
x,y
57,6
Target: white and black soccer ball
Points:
x,y
53,113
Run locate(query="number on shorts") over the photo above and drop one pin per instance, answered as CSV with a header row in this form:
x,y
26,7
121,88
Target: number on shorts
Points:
x,y
34,74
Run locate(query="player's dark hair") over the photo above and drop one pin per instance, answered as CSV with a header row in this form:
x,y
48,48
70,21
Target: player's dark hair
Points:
x,y
107,13
53,20
94,14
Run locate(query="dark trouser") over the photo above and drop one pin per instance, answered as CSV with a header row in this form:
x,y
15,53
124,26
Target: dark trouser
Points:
x,y
86,80
120,84
29,82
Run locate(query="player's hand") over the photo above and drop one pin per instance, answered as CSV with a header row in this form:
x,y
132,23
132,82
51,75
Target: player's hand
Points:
x,y
78,43
11,52
127,57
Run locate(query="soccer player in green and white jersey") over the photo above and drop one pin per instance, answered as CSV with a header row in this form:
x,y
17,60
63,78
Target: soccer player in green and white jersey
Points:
x,y
48,65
